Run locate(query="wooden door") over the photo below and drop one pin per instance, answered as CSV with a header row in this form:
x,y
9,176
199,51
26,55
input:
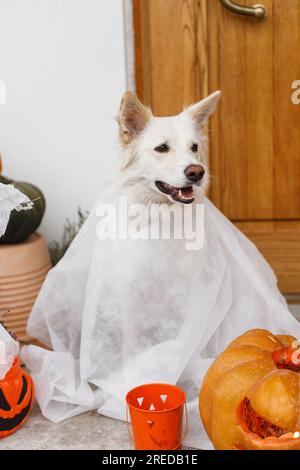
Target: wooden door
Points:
x,y
188,48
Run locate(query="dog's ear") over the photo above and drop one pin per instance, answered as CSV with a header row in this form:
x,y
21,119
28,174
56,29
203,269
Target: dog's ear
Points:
x,y
201,111
133,117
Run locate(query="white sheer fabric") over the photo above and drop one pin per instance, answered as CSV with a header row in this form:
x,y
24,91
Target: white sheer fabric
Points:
x,y
10,199
119,313
9,349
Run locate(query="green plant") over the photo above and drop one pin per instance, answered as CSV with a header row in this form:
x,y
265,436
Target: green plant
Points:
x,y
56,249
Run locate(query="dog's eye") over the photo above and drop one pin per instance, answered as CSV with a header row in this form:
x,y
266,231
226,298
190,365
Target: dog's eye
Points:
x,y
163,148
194,148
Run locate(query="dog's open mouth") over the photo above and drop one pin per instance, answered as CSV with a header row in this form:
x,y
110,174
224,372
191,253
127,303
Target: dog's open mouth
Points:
x,y
184,195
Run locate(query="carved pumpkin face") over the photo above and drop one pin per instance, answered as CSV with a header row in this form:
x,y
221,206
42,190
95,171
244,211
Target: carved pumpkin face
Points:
x,y
16,397
250,397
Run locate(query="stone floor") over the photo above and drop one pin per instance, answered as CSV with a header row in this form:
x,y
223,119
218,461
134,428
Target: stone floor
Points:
x,y
89,431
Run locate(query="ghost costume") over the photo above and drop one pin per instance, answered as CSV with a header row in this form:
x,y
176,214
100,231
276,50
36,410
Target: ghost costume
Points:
x,y
118,313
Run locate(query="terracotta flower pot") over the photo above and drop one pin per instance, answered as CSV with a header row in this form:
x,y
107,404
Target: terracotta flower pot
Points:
x,y
23,268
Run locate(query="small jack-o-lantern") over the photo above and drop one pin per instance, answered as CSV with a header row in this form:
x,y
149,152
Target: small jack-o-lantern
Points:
x,y
16,397
250,397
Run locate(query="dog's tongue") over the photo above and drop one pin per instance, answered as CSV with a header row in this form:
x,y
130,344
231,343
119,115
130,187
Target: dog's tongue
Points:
x,y
184,194
187,192
180,194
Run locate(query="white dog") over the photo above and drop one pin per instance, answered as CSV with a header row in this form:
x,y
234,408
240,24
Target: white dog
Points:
x,y
121,312
164,158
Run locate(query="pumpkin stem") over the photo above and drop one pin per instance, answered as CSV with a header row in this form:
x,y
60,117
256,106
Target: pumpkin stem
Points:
x,y
287,358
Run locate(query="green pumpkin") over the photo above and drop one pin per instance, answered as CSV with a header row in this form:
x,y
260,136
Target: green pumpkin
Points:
x,y
24,223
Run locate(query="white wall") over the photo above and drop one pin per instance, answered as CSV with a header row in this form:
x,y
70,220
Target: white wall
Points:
x,y
63,62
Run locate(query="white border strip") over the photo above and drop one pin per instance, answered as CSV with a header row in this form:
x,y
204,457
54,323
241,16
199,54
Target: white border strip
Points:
x,y
129,44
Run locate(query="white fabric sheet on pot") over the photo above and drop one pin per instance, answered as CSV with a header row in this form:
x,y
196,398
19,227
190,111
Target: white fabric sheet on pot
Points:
x,y
10,199
120,313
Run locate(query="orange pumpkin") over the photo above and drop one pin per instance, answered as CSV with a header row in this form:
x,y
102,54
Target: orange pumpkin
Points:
x,y
16,397
250,396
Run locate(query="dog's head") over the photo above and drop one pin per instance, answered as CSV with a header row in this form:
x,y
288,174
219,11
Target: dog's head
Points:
x,y
167,153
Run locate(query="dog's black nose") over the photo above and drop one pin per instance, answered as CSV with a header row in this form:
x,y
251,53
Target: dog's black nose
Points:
x,y
194,173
